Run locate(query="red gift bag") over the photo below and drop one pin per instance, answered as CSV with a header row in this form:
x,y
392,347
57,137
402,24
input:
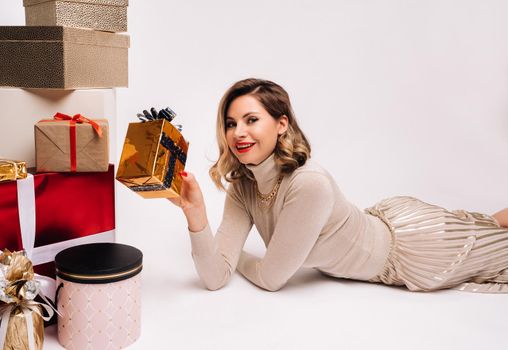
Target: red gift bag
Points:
x,y
49,212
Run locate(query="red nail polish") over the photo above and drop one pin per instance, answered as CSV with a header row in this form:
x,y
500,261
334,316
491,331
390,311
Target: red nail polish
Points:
x,y
183,173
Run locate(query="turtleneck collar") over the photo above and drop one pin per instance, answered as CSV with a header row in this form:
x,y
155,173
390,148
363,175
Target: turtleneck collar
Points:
x,y
266,173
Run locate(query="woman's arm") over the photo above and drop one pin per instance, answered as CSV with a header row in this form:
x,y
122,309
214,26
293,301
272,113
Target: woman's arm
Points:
x,y
216,257
307,207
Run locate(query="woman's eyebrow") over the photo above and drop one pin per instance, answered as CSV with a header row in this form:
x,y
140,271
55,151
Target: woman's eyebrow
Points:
x,y
245,115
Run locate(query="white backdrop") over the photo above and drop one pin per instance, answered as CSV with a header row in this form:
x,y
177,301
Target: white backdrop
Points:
x,y
397,98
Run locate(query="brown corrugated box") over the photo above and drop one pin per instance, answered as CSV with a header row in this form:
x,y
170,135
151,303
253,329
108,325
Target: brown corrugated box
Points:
x,y
62,58
53,146
108,15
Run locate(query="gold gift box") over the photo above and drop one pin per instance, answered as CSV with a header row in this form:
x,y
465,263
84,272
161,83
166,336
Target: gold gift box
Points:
x,y
12,170
153,155
106,15
56,57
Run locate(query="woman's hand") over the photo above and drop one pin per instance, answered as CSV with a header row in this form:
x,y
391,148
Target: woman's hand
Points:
x,y
192,202
190,193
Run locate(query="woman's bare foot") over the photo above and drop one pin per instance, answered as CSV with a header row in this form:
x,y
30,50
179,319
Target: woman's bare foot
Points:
x,y
502,217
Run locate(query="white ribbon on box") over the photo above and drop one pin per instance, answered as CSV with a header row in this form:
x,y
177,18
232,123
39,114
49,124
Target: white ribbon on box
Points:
x,y
46,253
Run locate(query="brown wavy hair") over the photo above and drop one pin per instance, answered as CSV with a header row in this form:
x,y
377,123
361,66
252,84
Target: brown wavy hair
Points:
x,y
292,149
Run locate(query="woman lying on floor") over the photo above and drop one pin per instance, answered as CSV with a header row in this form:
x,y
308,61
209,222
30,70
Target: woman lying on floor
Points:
x,y
305,220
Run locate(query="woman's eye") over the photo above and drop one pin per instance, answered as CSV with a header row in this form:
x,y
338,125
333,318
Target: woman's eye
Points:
x,y
229,125
252,120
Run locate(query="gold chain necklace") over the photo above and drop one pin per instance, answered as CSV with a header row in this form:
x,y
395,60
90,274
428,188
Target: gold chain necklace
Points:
x,y
265,200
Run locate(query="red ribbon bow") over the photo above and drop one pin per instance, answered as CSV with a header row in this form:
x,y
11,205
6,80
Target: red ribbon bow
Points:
x,y
77,118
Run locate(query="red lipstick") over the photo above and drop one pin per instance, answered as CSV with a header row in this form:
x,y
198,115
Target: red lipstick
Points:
x,y
243,147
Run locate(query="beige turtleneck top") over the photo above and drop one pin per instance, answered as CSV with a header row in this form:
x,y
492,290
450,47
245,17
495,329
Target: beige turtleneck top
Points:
x,y
310,224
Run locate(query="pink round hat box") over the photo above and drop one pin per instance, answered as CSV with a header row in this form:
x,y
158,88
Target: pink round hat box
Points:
x,y
99,296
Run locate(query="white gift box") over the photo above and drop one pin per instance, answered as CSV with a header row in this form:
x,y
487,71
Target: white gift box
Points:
x,y
20,109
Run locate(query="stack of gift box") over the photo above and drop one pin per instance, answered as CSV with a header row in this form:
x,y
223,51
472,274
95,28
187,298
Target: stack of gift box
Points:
x,y
57,112
57,199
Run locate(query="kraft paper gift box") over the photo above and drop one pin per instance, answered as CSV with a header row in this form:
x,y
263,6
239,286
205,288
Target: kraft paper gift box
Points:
x,y
62,58
107,15
23,108
46,213
71,144
153,155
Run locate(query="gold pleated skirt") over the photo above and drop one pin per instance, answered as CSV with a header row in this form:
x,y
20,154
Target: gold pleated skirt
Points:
x,y
434,248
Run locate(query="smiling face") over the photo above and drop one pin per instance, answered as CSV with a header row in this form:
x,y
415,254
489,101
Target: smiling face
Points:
x,y
251,132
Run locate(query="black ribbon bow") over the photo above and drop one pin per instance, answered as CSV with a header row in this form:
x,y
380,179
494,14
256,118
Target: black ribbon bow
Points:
x,y
166,113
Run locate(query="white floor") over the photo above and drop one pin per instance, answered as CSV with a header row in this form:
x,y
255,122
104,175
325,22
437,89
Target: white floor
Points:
x,y
313,312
